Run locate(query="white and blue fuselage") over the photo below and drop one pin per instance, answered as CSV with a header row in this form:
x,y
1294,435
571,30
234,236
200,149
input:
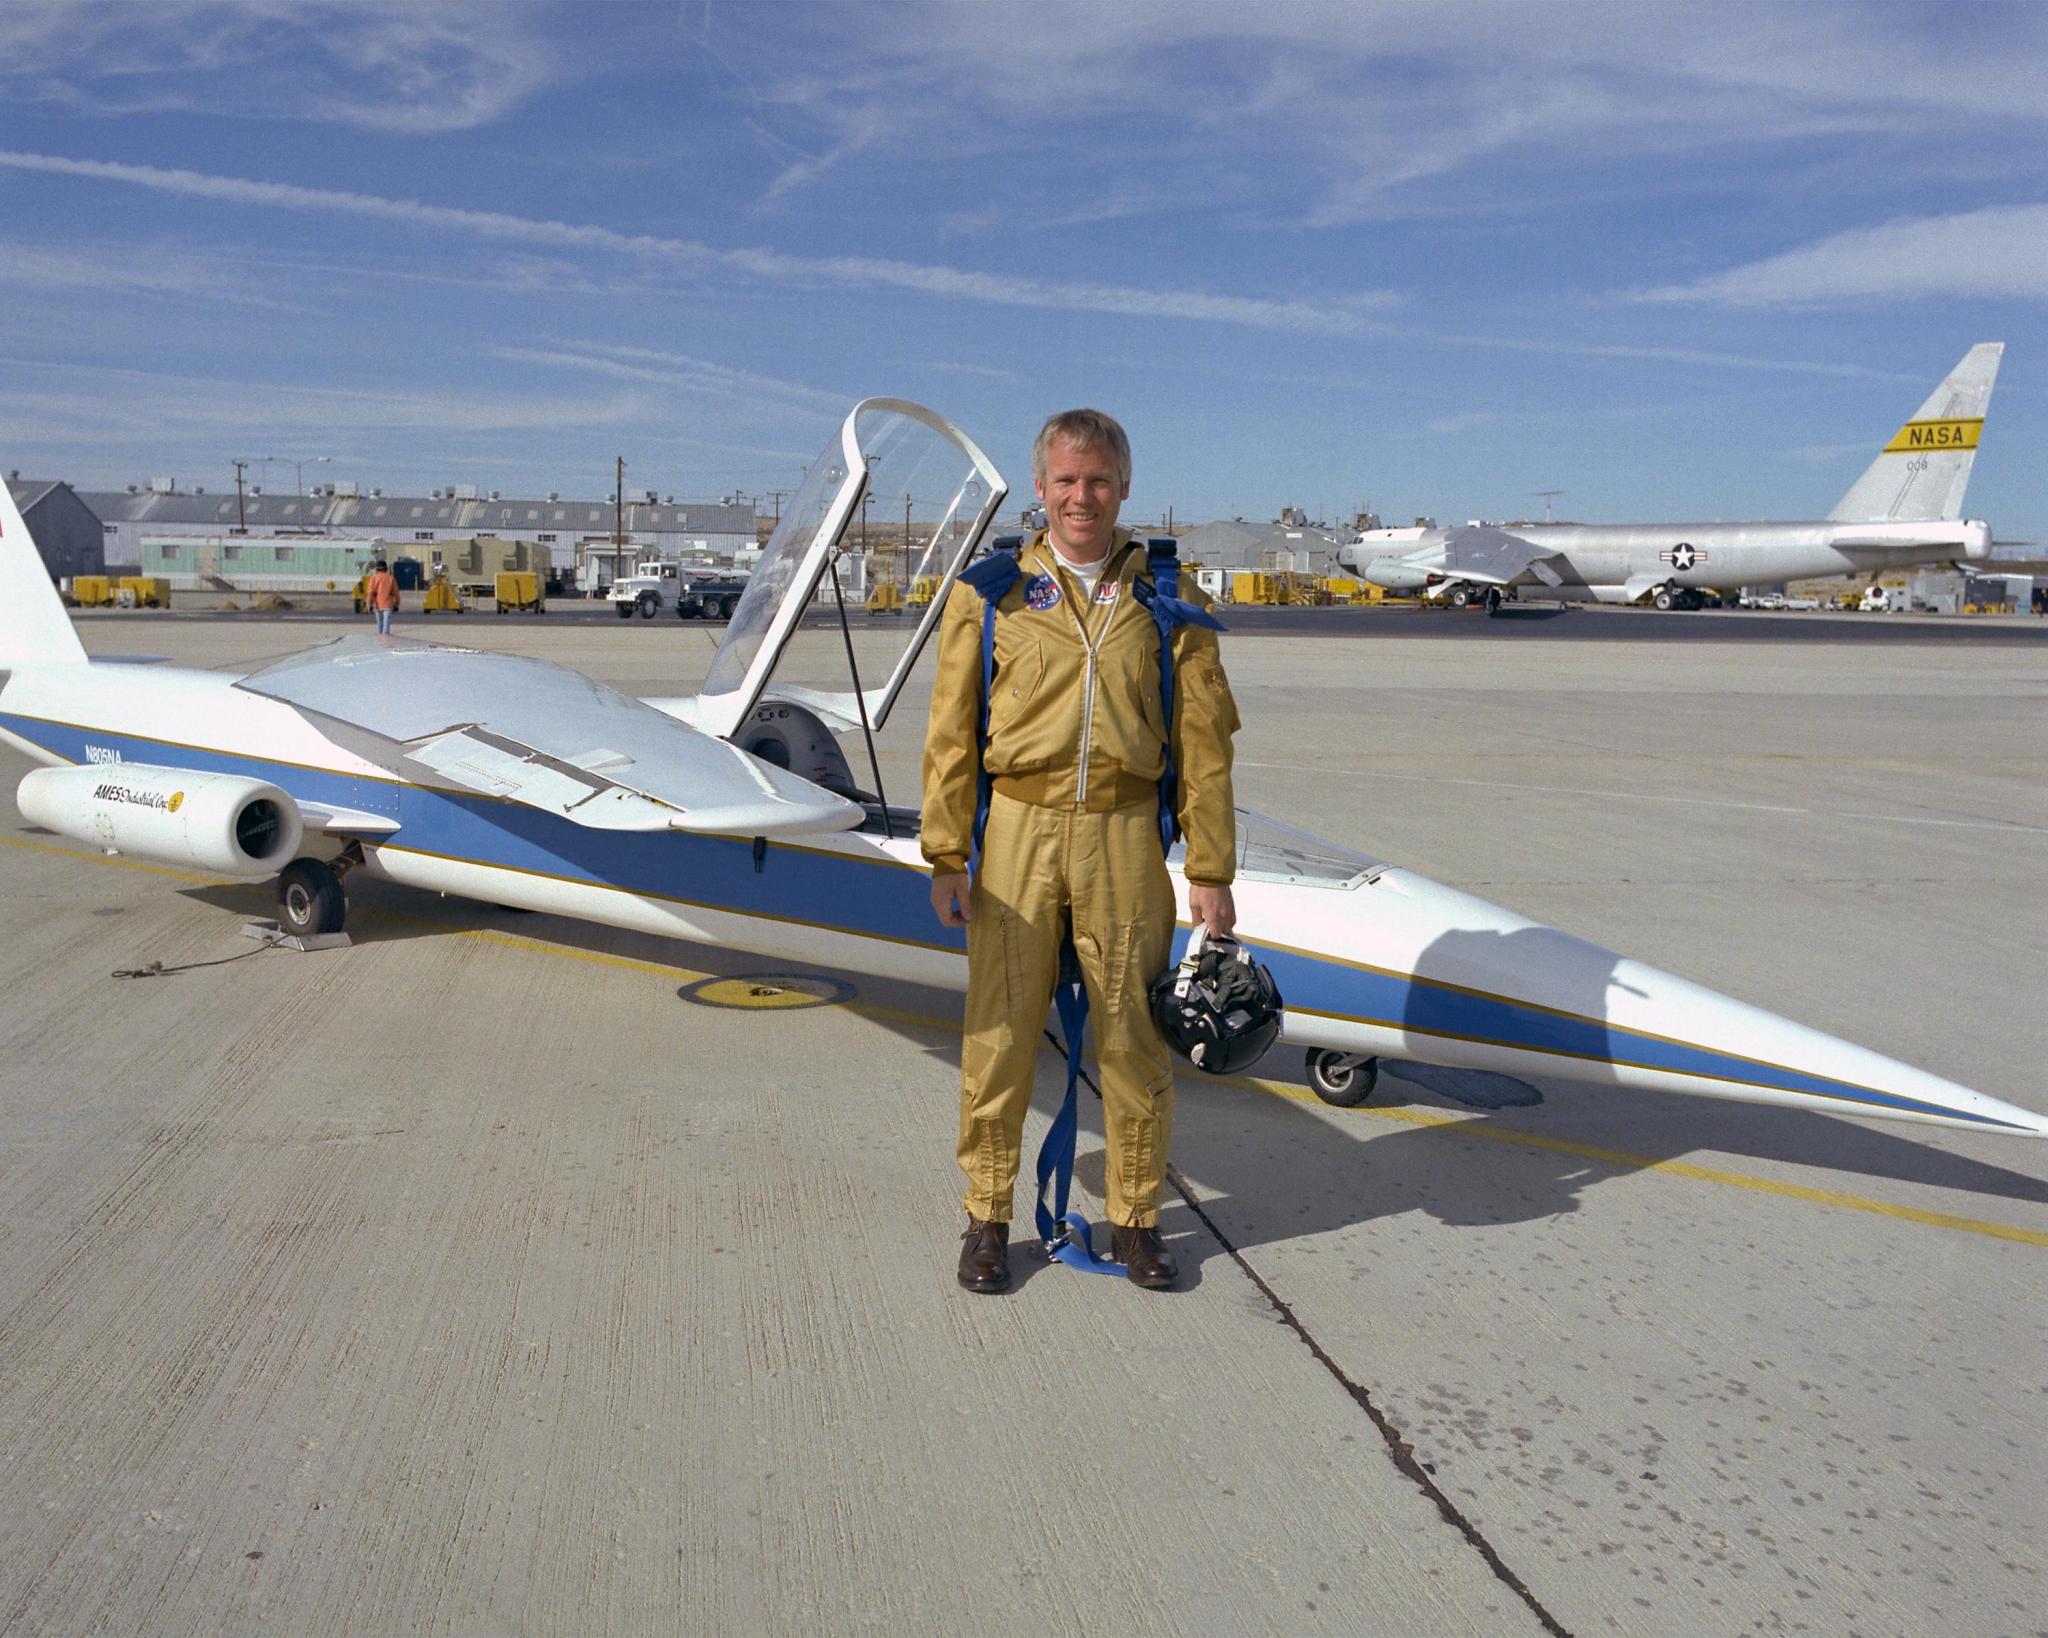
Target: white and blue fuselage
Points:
x,y
1373,960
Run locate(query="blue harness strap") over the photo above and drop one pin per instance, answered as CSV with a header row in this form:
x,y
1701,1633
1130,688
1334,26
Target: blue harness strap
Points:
x,y
992,577
1066,1234
1162,558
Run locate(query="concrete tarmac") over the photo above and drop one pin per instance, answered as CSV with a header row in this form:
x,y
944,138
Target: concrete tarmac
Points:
x,y
499,1275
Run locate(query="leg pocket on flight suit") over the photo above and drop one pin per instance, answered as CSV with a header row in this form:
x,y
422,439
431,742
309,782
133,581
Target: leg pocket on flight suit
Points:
x,y
1127,1025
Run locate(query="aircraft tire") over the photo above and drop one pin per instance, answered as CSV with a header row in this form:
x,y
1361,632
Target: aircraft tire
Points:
x,y
1341,1079
1459,598
1493,600
309,899
1663,599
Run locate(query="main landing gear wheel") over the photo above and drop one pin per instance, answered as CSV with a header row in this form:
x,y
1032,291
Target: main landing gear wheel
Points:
x,y
1459,597
309,899
1493,601
1343,1079
1664,599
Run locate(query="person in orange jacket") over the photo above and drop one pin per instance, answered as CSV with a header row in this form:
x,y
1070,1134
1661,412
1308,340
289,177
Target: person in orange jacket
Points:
x,y
381,594
1076,748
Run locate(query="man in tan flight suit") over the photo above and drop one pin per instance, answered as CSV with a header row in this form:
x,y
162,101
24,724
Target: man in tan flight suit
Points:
x,y
1076,747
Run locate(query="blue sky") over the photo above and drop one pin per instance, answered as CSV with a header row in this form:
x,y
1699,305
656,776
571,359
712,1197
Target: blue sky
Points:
x,y
1679,262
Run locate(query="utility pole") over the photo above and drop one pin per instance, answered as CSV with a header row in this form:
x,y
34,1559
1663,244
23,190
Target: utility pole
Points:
x,y
776,496
906,545
1548,495
618,514
241,514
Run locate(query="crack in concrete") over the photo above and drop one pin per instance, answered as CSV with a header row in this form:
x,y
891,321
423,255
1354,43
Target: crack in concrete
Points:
x,y
1398,1448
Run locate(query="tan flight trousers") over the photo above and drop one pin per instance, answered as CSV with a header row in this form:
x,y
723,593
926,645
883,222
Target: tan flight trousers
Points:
x,y
1041,867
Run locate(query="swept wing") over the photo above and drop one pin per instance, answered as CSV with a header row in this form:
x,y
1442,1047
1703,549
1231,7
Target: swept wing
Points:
x,y
526,731
1493,557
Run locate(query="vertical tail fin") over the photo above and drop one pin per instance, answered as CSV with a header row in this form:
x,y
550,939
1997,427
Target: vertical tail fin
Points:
x,y
1922,472
34,629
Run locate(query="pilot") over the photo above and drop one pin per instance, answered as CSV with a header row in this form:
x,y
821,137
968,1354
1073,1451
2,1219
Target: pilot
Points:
x,y
1076,750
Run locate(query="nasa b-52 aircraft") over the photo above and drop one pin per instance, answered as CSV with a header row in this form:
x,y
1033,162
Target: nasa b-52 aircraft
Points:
x,y
732,818
1907,508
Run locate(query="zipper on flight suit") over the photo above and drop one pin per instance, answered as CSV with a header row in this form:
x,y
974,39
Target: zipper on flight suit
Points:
x,y
1089,645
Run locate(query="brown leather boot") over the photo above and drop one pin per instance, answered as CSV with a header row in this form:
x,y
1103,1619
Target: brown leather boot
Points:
x,y
1141,1251
985,1256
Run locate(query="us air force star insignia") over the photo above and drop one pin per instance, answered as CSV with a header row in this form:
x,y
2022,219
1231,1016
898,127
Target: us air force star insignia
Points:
x,y
1041,591
1682,556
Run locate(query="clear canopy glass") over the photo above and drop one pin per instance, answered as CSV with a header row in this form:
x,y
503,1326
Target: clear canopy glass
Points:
x,y
898,499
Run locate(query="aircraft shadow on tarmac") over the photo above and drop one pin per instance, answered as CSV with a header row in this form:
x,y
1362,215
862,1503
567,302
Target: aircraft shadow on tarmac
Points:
x,y
1269,1169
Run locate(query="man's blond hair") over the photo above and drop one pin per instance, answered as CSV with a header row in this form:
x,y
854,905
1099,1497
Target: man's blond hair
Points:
x,y
1083,429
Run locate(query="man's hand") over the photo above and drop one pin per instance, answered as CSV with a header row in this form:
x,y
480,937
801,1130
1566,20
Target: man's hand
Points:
x,y
1212,907
949,898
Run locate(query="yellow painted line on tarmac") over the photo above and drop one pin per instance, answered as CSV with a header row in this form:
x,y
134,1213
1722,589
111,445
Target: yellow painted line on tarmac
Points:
x,y
115,859
1466,1125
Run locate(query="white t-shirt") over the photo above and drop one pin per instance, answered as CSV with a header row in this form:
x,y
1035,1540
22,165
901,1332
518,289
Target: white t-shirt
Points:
x,y
1086,573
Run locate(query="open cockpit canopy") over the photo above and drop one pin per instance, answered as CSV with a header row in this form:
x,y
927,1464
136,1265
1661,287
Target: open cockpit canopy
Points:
x,y
899,498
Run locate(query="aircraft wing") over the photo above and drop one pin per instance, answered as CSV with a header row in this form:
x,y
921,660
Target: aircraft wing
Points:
x,y
1491,556
541,735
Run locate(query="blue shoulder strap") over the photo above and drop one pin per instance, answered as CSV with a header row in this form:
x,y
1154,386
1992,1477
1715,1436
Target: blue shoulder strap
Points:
x,y
992,577
1162,560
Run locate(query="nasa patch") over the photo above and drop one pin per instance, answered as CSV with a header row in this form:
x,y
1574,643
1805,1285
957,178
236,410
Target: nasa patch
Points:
x,y
1106,590
1041,592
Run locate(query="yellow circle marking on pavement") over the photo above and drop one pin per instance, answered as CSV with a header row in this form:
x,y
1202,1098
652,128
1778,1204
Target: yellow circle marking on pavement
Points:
x,y
769,992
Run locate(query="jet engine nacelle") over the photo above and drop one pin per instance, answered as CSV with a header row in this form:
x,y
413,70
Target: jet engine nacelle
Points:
x,y
1395,575
220,823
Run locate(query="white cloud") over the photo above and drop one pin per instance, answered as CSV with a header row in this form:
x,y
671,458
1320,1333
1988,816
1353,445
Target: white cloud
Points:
x,y
698,375
1999,253
1346,315
107,404
156,271
384,65
1332,112
1464,421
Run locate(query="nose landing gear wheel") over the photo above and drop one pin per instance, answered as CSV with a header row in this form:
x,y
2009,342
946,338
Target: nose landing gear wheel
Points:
x,y
1342,1079
309,899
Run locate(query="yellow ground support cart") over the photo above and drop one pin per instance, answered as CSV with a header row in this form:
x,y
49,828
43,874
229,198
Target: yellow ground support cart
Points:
x,y
923,590
143,591
443,596
92,591
885,598
520,590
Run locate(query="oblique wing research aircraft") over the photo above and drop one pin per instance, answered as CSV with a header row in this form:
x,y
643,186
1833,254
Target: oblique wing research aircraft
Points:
x,y
732,818
1907,508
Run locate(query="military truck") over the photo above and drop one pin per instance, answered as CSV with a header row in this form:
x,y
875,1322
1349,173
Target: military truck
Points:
x,y
655,585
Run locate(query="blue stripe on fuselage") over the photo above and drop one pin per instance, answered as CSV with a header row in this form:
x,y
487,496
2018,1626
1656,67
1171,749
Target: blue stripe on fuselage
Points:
x,y
872,899
868,898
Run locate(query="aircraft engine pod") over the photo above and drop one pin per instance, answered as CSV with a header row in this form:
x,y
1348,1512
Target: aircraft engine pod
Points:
x,y
204,821
1396,575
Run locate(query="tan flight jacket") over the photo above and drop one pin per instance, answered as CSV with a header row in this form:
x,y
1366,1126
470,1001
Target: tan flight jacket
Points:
x,y
1036,731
